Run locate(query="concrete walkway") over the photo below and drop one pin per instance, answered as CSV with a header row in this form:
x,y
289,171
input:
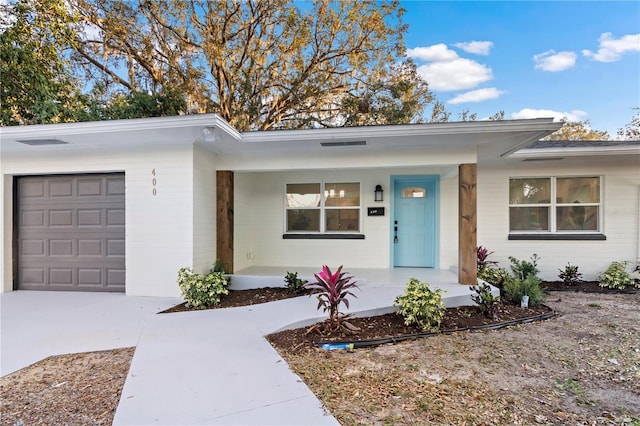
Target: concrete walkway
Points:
x,y
209,367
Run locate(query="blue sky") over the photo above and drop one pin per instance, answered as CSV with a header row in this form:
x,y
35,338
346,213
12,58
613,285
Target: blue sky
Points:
x,y
579,59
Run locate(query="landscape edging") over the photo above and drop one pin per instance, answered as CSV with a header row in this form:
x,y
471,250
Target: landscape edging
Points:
x,y
355,344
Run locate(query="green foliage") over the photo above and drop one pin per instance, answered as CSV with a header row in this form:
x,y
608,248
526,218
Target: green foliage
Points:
x,y
420,305
570,275
515,288
616,277
202,290
494,276
135,105
294,284
217,267
484,299
36,85
524,268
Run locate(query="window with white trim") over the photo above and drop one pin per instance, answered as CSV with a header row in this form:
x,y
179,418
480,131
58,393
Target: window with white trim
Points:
x,y
555,205
322,207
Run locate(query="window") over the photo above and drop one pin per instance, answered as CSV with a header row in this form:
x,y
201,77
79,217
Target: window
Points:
x,y
555,205
328,207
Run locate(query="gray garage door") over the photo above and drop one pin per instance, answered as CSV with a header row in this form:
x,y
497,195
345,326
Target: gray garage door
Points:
x,y
70,232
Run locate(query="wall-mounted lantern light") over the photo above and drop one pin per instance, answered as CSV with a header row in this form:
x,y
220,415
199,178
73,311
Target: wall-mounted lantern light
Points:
x,y
378,193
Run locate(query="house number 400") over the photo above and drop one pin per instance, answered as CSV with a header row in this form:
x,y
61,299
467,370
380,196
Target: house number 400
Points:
x,y
154,191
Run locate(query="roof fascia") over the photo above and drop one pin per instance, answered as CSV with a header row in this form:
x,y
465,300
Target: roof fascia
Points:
x,y
124,125
545,125
575,152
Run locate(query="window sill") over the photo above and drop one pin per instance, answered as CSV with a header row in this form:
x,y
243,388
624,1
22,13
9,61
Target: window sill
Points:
x,y
323,236
559,237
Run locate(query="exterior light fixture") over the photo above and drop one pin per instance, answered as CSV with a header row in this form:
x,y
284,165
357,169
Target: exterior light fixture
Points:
x,y
378,193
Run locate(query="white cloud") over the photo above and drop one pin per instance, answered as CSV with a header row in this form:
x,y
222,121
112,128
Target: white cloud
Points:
x,y
437,52
478,95
552,61
574,115
459,74
476,47
611,49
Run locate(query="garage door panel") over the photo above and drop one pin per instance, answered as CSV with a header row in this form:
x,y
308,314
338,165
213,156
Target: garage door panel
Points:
x,y
71,233
90,217
61,276
115,186
115,217
115,248
61,188
32,248
33,189
61,247
31,218
60,218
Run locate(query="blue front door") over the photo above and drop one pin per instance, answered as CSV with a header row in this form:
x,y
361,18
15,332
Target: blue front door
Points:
x,y
415,222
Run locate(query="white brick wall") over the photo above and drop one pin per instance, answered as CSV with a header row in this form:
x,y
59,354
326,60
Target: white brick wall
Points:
x,y
204,209
259,220
621,181
159,229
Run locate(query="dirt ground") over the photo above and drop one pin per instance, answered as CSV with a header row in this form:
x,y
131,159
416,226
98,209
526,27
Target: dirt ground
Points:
x,y
76,389
580,368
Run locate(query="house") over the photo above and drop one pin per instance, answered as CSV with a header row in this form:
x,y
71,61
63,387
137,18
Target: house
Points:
x,y
122,205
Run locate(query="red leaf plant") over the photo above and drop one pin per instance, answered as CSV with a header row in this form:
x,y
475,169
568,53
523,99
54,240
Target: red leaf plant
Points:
x,y
332,289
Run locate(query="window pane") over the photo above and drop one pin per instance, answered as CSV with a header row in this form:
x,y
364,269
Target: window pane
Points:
x,y
414,192
578,190
572,218
343,220
530,191
303,195
342,194
303,220
529,218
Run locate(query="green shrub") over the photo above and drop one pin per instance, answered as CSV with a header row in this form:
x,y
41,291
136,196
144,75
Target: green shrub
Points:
x,y
616,277
484,299
294,284
420,305
517,287
494,276
570,275
523,268
202,290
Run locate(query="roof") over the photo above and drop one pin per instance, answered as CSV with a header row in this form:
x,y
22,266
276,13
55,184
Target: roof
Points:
x,y
213,132
571,148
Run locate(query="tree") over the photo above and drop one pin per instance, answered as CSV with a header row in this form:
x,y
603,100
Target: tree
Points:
x,y
578,131
35,83
631,131
260,64
134,105
398,97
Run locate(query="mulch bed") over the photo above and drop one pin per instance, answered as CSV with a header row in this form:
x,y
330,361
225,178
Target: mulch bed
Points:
x,y
237,298
301,340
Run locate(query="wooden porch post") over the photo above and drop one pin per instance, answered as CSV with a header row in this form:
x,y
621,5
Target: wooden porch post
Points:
x,y
224,219
467,225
